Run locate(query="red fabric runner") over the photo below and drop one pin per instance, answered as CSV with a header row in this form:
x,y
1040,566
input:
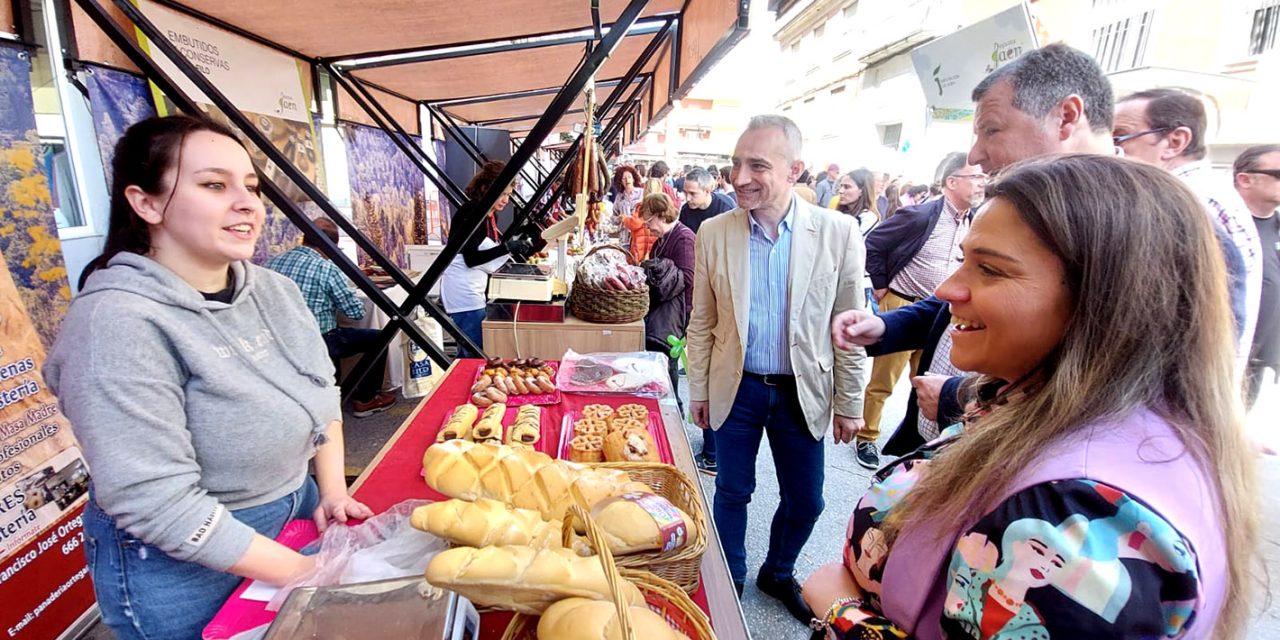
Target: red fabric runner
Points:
x,y
398,475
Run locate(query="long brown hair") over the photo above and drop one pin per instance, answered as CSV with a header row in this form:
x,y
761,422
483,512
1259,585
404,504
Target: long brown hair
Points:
x,y
1166,343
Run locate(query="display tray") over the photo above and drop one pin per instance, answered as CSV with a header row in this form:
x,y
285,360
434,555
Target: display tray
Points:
x,y
546,428
654,425
541,399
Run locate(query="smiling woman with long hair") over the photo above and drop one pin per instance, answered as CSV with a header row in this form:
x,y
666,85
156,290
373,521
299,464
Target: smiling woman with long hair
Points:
x,y
1101,487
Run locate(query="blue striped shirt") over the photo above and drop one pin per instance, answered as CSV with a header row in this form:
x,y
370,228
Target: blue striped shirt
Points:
x,y
767,351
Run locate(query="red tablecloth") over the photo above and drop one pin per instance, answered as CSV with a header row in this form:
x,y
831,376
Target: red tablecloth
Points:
x,y
397,476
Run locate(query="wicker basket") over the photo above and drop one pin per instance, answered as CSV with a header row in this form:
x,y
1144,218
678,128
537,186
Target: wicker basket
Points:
x,y
663,597
683,565
596,304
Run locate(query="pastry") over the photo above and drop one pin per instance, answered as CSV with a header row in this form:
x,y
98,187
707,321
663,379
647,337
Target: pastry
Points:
x,y
490,425
597,411
527,429
458,426
485,523
630,445
632,412
587,619
590,427
586,449
624,424
519,477
523,579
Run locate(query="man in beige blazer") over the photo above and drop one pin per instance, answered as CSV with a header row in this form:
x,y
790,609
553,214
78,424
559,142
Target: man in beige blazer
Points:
x,y
769,278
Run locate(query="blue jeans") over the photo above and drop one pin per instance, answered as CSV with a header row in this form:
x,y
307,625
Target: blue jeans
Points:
x,y
761,409
144,594
469,322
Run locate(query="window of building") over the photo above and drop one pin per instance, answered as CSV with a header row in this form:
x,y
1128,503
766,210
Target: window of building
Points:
x,y
53,94
1266,23
849,11
890,134
819,30
1122,44
837,90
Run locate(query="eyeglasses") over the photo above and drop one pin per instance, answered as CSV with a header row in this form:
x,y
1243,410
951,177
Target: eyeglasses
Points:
x,y
979,177
1119,140
1274,173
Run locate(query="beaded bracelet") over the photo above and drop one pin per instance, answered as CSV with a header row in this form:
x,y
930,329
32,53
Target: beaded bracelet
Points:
x,y
838,607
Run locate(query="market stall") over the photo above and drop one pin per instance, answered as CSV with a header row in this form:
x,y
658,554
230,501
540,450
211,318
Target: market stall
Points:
x,y
395,474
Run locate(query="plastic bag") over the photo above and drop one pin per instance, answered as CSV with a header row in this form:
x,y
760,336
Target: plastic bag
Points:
x,y
639,373
382,547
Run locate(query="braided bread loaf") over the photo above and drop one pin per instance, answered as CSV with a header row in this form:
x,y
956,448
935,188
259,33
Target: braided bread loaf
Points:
x,y
485,523
523,579
519,477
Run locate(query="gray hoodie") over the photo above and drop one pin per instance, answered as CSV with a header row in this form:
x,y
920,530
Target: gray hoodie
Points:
x,y
187,408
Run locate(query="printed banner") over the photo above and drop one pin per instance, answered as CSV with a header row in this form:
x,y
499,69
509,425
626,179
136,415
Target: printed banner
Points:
x,y
439,212
117,100
950,67
388,192
28,230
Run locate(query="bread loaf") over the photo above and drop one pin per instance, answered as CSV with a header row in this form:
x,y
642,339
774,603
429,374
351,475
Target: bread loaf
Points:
x,y
485,523
642,522
523,579
584,619
519,477
458,426
630,445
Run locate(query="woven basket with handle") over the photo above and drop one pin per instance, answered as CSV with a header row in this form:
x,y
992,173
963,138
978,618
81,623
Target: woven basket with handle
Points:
x,y
597,304
680,566
663,597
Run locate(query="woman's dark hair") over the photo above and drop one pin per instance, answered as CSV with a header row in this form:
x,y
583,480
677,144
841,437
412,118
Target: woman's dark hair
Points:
x,y
617,178
480,183
866,182
893,200
143,157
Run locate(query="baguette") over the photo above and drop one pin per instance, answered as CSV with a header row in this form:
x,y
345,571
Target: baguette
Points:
x,y
458,426
490,425
486,523
585,619
519,477
523,579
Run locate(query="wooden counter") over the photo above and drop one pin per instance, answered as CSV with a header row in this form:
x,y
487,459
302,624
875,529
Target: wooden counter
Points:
x,y
549,340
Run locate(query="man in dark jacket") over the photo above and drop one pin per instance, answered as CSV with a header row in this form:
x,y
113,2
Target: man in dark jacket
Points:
x,y
908,256
701,199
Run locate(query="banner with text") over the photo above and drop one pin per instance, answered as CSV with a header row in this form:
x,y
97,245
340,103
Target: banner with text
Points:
x,y
270,88
951,66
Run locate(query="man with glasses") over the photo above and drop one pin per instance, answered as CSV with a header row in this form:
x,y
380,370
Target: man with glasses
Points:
x,y
1166,128
1257,179
908,256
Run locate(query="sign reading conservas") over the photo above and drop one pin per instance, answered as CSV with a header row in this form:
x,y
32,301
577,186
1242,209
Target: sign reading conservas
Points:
x,y
951,66
255,78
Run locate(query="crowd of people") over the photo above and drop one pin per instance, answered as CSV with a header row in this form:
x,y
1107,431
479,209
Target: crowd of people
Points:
x,y
1086,307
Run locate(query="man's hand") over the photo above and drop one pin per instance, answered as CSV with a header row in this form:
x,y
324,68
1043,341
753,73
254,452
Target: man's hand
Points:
x,y
846,428
880,294
928,390
701,410
855,328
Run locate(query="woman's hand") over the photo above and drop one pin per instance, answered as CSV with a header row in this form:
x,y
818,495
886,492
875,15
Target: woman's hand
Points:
x,y
829,583
340,507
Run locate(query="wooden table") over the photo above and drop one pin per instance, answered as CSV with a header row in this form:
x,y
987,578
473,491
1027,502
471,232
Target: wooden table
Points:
x,y
722,598
549,340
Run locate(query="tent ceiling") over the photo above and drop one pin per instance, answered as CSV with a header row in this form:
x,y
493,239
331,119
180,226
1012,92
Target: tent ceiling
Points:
x,y
510,71
324,28
533,105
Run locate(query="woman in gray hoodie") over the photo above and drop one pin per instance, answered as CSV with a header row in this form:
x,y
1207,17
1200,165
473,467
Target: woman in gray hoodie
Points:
x,y
198,386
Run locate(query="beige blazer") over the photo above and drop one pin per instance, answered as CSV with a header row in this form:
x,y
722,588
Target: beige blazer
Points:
x,y
827,258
